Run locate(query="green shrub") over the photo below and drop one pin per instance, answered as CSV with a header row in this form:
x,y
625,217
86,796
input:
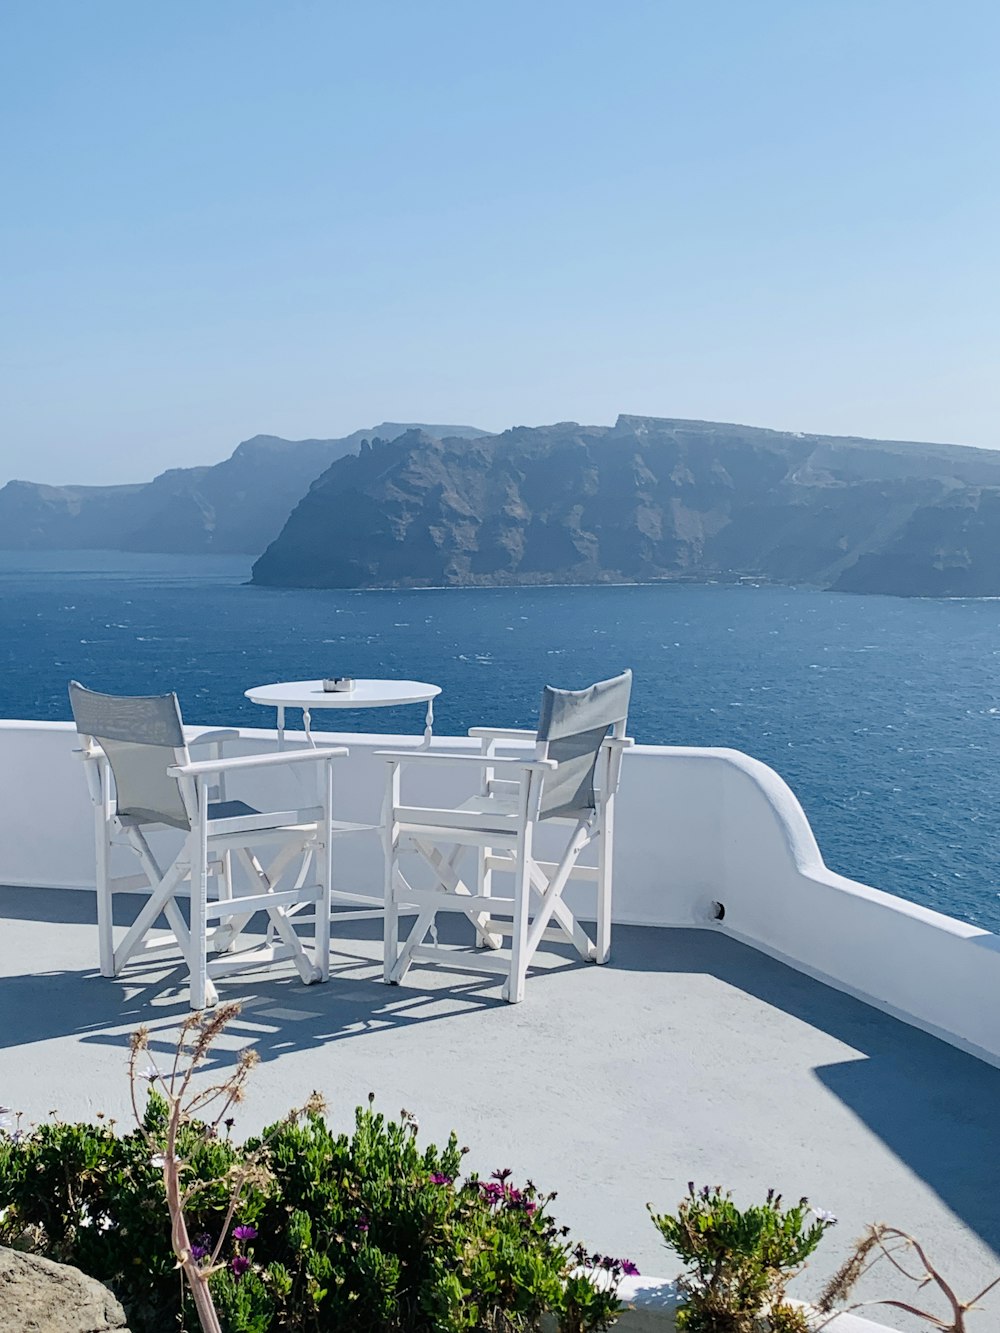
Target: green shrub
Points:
x,y
365,1231
85,1195
739,1262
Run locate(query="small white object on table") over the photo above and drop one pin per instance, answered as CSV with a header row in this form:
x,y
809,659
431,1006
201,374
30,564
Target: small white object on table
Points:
x,y
310,694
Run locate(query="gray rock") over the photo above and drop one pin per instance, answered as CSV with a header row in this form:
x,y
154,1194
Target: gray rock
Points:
x,y
39,1296
644,500
233,507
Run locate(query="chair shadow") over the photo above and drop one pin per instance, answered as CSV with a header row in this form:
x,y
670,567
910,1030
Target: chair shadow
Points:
x,y
105,1010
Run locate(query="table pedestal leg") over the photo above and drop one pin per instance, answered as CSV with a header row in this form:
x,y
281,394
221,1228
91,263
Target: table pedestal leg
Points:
x,y
281,726
429,722
307,723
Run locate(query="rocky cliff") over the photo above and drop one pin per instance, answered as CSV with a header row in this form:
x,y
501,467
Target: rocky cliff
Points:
x,y
646,499
236,506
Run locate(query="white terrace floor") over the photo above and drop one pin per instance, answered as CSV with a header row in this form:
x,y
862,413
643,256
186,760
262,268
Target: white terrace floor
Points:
x,y
688,1057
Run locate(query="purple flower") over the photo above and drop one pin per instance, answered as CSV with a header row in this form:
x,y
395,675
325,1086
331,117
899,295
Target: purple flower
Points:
x,y
238,1265
362,1223
199,1252
438,1179
244,1233
629,1268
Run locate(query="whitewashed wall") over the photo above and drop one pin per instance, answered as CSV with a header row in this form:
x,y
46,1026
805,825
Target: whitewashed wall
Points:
x,y
696,827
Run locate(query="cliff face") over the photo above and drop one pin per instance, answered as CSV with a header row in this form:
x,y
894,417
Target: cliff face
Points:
x,y
237,506
948,549
647,499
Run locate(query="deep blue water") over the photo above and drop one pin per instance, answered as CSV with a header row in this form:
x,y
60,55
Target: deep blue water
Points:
x,y
882,714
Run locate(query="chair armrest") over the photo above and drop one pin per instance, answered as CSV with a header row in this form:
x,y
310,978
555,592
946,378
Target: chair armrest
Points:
x,y
503,733
481,760
245,761
214,737
618,742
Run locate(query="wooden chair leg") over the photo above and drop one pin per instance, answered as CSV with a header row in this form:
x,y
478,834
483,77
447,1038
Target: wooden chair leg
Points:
x,y
223,937
198,845
513,990
415,938
390,851
105,898
99,786
325,855
605,853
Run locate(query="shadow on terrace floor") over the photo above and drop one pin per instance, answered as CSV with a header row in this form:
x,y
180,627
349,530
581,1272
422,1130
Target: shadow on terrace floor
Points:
x,y
56,1002
934,1108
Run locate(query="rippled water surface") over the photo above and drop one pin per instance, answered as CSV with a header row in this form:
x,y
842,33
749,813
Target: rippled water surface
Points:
x,y
882,714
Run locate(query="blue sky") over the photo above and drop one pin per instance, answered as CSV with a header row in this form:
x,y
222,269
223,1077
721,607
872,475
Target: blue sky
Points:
x,y
300,218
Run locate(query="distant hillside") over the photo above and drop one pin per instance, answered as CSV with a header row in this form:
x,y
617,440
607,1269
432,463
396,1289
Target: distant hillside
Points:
x,y
236,506
646,499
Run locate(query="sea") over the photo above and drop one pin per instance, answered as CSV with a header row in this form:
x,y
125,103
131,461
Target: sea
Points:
x,y
883,714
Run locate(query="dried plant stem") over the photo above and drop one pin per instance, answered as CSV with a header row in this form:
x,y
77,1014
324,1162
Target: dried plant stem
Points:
x,y
194,1041
176,1089
197,1278
882,1242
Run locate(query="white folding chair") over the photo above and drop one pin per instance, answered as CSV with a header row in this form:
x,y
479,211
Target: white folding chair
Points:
x,y
142,783
568,783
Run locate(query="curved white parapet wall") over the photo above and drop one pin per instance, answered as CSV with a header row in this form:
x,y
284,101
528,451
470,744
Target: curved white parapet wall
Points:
x,y
941,974
696,827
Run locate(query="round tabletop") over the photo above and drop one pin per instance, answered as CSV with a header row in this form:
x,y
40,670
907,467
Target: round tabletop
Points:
x,y
366,694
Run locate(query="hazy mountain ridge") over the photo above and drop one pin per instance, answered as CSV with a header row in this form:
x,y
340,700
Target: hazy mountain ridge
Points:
x,y
234,507
648,498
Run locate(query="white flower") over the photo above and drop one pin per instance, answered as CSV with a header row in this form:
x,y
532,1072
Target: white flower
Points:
x,y
821,1215
150,1074
6,1117
158,1160
103,1222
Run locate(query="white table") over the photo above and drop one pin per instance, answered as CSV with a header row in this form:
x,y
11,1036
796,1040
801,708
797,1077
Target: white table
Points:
x,y
309,694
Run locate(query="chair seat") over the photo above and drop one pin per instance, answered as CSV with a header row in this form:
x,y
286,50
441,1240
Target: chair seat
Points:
x,y
478,814
216,810
497,813
230,809
290,819
496,806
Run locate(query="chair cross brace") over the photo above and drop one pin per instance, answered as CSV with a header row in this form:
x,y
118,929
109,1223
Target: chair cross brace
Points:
x,y
481,908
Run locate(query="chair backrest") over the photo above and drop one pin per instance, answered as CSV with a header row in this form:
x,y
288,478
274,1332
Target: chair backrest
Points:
x,y
142,735
572,727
